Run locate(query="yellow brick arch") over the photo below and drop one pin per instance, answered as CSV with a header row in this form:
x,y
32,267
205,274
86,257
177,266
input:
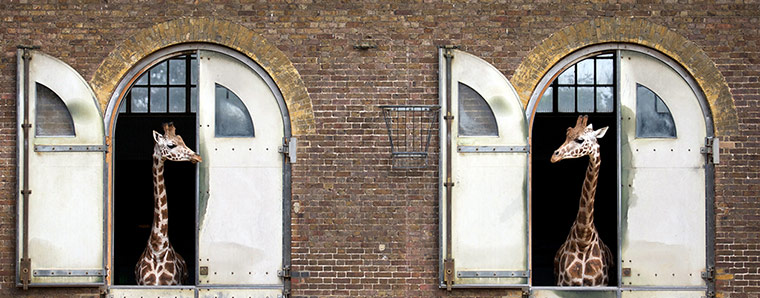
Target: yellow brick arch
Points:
x,y
208,30
635,31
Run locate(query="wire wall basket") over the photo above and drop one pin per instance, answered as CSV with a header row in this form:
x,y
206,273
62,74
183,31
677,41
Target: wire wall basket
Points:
x,y
410,128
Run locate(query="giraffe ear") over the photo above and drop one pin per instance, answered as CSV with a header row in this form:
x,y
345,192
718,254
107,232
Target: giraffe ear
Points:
x,y
600,132
157,136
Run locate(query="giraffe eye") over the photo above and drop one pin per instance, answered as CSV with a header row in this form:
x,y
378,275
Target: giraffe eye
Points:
x,y
171,146
579,141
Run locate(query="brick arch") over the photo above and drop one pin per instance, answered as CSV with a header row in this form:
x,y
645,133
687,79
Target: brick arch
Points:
x,y
209,30
636,31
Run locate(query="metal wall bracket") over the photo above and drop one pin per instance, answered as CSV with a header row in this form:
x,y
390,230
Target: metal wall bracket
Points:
x,y
289,148
711,149
26,272
448,273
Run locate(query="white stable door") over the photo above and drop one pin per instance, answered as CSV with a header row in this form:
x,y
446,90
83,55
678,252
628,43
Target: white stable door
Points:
x,y
65,175
489,171
663,178
241,177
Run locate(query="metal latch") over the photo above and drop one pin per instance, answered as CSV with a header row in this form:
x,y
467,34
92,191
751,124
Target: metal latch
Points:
x,y
26,272
204,270
448,273
289,147
711,148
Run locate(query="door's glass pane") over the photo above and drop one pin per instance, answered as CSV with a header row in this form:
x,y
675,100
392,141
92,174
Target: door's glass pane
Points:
x,y
177,72
475,116
653,118
586,72
585,99
193,99
158,100
143,79
567,76
123,107
52,116
139,100
566,99
547,102
604,102
232,118
604,71
158,74
177,99
194,71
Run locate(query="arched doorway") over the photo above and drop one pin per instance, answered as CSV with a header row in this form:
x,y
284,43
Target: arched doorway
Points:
x,y
655,208
232,209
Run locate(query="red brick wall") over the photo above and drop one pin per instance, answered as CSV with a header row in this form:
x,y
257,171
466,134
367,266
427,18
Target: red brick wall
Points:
x,y
350,201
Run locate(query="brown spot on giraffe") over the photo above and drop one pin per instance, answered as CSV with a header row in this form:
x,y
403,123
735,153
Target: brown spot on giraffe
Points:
x,y
583,259
159,263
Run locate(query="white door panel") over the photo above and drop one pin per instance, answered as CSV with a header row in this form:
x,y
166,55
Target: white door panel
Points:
x,y
65,228
663,203
240,238
489,171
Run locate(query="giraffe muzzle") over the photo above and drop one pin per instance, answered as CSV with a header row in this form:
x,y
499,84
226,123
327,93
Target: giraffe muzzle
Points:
x,y
556,157
196,158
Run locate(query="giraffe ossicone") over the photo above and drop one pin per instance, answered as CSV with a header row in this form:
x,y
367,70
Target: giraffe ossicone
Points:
x,y
159,263
583,260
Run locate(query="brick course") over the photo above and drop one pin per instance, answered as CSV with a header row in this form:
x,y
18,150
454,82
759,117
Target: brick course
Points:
x,y
361,229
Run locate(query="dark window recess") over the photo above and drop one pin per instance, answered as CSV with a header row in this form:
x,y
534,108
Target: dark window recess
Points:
x,y
52,117
475,116
653,118
168,87
586,87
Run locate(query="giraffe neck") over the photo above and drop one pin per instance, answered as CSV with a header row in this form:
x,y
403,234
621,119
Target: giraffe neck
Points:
x,y
584,221
159,239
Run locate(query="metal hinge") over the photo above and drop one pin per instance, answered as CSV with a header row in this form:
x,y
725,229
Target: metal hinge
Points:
x,y
711,149
448,273
289,148
709,274
285,272
26,272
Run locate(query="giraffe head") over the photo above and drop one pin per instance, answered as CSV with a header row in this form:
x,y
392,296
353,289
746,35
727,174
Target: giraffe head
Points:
x,y
580,141
171,146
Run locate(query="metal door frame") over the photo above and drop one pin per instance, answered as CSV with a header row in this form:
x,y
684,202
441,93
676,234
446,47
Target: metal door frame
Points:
x,y
592,50
110,120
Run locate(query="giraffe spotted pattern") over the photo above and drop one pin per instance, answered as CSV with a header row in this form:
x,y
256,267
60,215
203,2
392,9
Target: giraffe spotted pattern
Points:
x,y
159,263
583,260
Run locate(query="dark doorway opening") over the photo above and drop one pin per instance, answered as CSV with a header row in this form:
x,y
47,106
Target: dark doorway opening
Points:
x,y
585,88
556,191
133,192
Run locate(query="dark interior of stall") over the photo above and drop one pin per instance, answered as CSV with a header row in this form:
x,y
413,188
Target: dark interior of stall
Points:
x,y
133,192
556,191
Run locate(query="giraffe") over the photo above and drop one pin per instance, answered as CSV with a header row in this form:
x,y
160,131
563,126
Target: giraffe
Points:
x,y
159,263
583,260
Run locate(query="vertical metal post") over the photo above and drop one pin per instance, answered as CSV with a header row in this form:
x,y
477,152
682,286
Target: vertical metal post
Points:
x,y
25,262
448,263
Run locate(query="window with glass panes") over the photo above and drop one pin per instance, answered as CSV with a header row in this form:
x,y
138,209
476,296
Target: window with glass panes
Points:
x,y
586,87
168,87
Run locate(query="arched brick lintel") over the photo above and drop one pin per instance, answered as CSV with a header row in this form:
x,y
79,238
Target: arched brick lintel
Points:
x,y
635,31
209,30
